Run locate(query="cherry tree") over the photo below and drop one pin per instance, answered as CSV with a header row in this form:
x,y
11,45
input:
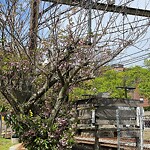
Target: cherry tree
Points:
x,y
46,49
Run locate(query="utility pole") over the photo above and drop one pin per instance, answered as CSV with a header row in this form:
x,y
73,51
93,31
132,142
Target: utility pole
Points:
x,y
13,41
89,22
126,89
33,28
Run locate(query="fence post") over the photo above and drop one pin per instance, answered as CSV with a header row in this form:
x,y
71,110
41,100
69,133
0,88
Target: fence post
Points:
x,y
139,138
97,145
141,128
118,128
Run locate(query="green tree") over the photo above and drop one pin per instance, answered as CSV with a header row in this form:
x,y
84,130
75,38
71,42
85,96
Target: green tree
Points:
x,y
107,82
139,77
136,77
147,63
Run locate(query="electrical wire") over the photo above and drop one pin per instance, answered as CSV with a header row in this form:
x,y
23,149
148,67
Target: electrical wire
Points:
x,y
135,59
130,54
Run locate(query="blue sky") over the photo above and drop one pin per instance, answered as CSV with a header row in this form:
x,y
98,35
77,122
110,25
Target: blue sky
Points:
x,y
135,53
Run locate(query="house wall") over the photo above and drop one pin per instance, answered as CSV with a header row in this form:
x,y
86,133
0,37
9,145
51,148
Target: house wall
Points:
x,y
137,96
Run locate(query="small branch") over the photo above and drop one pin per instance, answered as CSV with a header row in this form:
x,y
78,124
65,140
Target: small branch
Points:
x,y
60,76
84,79
77,70
60,100
11,100
41,92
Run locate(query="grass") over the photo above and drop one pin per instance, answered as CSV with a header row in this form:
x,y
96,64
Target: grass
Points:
x,y
5,143
147,134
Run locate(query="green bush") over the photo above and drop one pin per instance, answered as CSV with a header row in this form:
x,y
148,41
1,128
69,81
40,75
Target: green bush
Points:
x,y
41,133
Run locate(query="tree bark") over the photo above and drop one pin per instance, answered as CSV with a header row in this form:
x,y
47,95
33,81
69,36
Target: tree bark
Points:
x,y
33,29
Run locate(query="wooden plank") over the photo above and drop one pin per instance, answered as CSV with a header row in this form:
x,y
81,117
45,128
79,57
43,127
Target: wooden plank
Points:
x,y
114,122
104,118
88,122
118,103
85,113
84,117
105,111
101,102
107,114
97,107
85,107
82,125
85,127
130,133
111,114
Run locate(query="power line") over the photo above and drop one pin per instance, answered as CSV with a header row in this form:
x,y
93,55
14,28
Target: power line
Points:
x,y
136,61
136,57
129,62
96,17
130,54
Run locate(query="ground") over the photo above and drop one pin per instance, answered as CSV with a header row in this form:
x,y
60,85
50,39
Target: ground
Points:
x,y
5,144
